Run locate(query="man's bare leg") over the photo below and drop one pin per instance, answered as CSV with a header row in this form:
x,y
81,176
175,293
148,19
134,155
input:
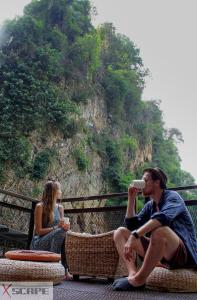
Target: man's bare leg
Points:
x,y
163,243
121,235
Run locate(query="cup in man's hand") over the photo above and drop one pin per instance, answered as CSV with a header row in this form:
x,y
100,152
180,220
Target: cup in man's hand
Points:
x,y
138,184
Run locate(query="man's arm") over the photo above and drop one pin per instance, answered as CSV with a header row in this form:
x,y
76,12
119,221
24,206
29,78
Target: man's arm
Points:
x,y
148,227
132,193
133,221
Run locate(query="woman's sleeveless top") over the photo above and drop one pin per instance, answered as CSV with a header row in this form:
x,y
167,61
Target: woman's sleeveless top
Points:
x,y
55,222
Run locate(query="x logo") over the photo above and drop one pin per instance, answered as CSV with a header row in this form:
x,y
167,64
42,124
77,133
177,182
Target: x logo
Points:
x,y
6,289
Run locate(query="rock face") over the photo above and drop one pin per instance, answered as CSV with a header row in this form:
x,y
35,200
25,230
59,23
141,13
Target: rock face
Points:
x,y
142,155
88,182
64,168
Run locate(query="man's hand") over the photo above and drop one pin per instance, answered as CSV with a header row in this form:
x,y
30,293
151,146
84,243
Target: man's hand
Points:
x,y
132,192
129,252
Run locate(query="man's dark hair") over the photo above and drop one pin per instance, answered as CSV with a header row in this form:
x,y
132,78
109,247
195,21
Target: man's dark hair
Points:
x,y
157,174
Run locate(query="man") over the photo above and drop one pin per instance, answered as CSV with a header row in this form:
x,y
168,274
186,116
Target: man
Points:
x,y
166,220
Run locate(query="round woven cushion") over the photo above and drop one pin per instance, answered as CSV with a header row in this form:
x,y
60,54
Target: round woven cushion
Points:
x,y
18,270
33,255
179,280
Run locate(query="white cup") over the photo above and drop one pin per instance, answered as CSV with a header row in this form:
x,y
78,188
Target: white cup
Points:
x,y
138,184
66,220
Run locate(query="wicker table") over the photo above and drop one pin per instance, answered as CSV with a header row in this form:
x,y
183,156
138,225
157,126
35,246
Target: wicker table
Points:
x,y
93,255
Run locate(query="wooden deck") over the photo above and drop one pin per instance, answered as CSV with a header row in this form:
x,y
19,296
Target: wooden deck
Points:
x,y
94,289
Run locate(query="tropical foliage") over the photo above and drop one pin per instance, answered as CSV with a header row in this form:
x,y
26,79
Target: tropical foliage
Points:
x,y
51,60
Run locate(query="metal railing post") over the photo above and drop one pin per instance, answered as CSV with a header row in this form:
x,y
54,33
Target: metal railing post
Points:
x,y
31,225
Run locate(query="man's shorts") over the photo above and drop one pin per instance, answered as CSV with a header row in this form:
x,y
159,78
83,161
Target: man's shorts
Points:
x,y
179,259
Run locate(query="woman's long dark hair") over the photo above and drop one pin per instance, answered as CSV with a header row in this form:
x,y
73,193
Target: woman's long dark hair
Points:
x,y
48,200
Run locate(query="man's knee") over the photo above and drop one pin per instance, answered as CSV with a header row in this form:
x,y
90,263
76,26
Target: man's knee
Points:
x,y
160,234
121,232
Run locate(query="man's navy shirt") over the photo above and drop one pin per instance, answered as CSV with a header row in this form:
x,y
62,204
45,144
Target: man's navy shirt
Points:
x,y
172,213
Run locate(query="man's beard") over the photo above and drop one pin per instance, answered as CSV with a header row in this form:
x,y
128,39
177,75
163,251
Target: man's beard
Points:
x,y
146,194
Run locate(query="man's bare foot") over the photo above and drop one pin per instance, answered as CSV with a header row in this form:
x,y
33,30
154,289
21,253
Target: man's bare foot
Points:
x,y
132,274
135,282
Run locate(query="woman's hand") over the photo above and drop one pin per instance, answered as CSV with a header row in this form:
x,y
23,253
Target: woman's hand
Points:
x,y
66,226
63,225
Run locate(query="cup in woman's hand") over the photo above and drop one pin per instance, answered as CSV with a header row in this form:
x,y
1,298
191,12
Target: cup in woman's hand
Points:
x,y
66,220
64,223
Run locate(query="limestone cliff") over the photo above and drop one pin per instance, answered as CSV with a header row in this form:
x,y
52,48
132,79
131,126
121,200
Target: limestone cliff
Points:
x,y
64,168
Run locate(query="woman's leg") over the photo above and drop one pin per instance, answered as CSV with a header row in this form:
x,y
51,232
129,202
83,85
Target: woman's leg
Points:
x,y
64,262
54,242
58,244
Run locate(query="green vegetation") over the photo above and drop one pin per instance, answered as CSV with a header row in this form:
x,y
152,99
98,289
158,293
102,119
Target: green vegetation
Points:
x,y
81,160
36,66
123,74
52,60
41,163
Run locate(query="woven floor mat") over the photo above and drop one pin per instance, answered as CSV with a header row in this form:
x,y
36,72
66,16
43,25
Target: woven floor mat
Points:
x,y
90,289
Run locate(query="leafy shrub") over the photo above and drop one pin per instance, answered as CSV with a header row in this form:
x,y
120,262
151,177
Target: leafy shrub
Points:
x,y
14,152
42,163
81,159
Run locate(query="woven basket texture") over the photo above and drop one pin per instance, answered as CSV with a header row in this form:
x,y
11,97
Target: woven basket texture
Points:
x,y
93,255
18,270
179,280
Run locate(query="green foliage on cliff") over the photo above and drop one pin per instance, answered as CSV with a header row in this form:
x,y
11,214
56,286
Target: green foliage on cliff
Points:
x,y
51,60
122,74
36,66
81,159
41,163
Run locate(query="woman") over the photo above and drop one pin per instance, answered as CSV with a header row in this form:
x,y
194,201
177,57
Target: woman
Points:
x,y
50,229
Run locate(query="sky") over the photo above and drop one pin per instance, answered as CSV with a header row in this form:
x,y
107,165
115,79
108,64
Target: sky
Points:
x,y
165,33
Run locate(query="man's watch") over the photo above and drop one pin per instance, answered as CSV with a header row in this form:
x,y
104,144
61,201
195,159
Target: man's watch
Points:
x,y
136,235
